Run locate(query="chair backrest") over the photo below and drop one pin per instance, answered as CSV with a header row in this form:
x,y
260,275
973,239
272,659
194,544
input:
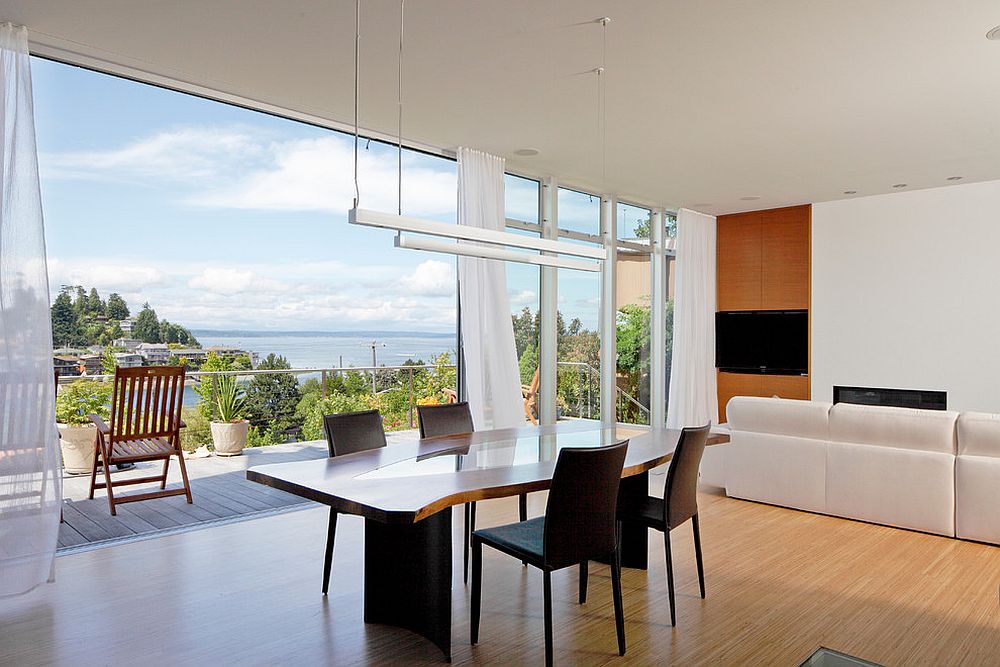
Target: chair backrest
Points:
x,y
350,432
583,499
146,403
445,419
681,491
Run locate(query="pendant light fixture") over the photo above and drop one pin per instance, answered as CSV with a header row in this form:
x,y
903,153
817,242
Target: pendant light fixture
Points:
x,y
470,241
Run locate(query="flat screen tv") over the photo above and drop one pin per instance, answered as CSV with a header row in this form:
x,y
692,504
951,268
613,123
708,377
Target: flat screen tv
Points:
x,y
774,342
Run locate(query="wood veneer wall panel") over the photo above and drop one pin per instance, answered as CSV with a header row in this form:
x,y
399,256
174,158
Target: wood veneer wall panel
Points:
x,y
786,386
737,384
785,256
738,262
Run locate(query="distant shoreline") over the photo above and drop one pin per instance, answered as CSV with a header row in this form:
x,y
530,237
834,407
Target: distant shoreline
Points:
x,y
263,333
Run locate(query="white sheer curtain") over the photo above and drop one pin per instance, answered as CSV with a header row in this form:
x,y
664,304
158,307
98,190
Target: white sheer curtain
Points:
x,y
491,371
30,493
693,400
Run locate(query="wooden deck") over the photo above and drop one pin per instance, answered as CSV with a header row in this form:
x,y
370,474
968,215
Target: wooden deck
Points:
x,y
219,488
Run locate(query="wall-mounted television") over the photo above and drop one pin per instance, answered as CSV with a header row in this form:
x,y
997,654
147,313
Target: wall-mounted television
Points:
x,y
774,342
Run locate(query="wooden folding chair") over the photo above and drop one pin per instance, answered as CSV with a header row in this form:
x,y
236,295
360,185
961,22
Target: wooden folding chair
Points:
x,y
145,426
530,395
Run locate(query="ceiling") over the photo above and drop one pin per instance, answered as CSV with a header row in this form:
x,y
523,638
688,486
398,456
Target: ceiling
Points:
x,y
707,102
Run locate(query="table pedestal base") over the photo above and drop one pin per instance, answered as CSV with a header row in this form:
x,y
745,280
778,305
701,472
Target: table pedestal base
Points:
x,y
634,537
408,576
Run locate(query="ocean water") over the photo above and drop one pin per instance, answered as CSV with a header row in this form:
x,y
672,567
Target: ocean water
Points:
x,y
329,350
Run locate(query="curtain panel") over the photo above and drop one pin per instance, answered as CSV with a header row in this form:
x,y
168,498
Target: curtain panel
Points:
x,y
693,398
30,493
491,371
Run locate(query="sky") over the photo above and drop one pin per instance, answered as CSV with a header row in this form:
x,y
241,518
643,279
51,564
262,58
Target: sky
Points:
x,y
225,218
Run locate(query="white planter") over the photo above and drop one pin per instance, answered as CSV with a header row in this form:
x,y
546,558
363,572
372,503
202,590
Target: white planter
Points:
x,y
78,444
229,437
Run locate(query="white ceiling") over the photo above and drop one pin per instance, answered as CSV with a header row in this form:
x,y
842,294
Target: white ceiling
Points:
x,y
708,102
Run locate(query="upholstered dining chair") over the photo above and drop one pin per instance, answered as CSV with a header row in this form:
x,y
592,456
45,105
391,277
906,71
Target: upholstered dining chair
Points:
x,y
579,525
679,503
347,433
455,419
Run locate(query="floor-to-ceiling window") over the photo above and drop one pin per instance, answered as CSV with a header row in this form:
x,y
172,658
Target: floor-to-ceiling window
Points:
x,y
521,196
633,293
670,266
579,303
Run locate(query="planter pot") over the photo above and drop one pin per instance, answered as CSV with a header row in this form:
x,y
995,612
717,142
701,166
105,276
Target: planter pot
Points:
x,y
229,437
78,444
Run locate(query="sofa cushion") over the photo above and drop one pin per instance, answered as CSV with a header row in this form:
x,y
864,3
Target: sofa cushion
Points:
x,y
979,434
898,487
901,428
777,469
779,416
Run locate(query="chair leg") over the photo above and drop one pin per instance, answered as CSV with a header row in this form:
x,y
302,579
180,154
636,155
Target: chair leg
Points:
x,y
166,466
184,475
583,582
477,589
331,531
93,470
670,575
107,478
547,580
616,592
522,507
465,543
697,554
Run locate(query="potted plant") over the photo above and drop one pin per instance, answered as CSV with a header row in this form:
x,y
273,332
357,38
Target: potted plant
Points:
x,y
77,435
229,429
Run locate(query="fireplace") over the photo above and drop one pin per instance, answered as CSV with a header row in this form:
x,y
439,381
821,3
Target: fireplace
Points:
x,y
899,398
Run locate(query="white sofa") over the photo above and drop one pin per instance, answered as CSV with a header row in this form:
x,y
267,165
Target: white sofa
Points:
x,y
977,478
933,471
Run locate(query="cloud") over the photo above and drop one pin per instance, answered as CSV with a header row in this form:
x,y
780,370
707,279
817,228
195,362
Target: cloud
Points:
x,y
189,154
523,298
104,275
228,281
430,278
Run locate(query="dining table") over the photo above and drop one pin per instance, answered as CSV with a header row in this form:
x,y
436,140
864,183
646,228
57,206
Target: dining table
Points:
x,y
405,493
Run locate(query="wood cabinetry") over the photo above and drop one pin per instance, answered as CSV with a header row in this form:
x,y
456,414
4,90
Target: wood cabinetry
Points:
x,y
763,263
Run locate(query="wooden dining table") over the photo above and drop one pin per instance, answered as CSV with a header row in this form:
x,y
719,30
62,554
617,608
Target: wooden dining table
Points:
x,y
406,492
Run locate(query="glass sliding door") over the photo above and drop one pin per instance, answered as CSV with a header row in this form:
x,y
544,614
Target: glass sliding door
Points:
x,y
523,286
633,290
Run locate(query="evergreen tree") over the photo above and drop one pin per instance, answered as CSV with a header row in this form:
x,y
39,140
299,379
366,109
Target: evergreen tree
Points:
x,y
95,306
81,302
146,327
117,309
65,326
273,396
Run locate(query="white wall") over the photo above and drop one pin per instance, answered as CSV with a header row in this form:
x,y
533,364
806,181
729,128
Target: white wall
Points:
x,y
906,293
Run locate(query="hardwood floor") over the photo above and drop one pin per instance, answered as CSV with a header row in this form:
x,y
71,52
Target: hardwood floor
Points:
x,y
780,583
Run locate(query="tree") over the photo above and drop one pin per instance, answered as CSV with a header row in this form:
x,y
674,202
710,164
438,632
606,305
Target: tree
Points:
x,y
81,302
146,327
117,309
273,396
95,306
108,362
65,326
110,333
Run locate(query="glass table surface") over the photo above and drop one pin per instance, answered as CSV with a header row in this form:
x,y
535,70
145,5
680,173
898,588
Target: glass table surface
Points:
x,y
501,453
825,657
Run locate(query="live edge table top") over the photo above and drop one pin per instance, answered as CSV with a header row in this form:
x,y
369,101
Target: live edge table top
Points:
x,y
407,482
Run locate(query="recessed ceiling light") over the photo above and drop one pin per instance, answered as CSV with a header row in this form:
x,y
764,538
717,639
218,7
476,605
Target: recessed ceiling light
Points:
x,y
954,178
753,198
899,185
526,152
850,192
994,34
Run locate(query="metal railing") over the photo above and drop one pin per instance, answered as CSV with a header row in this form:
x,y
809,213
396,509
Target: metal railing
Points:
x,y
581,398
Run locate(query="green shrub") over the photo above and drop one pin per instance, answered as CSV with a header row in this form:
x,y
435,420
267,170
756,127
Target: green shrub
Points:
x,y
259,436
197,431
312,429
81,398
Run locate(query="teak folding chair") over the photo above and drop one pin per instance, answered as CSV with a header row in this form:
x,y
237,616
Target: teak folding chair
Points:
x,y
145,426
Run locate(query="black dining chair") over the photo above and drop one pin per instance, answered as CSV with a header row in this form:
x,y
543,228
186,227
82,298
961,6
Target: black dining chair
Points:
x,y
579,525
679,503
347,433
455,419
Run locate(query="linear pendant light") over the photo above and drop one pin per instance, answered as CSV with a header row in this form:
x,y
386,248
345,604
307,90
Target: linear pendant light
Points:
x,y
476,236
487,252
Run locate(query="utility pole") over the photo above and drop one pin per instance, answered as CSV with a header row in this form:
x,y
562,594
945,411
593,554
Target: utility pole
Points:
x,y
374,346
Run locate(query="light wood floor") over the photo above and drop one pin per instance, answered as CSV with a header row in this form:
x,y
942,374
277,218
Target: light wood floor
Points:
x,y
780,584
